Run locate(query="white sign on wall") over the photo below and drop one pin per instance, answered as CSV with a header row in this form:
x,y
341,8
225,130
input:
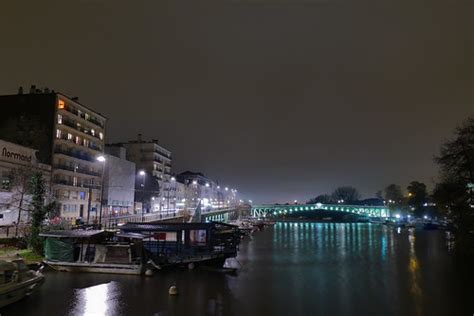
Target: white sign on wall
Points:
x,y
16,154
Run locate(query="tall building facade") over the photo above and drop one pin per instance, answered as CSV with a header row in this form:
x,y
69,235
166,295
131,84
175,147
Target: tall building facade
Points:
x,y
154,178
69,136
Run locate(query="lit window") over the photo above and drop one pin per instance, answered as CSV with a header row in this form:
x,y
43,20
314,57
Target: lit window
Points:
x,y
101,135
82,195
58,133
69,136
92,132
78,140
74,181
60,104
86,116
60,119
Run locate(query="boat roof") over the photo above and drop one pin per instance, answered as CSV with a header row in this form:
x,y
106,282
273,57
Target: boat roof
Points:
x,y
131,235
75,233
171,227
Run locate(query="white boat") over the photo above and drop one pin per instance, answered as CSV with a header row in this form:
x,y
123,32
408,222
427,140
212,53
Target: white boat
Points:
x,y
17,281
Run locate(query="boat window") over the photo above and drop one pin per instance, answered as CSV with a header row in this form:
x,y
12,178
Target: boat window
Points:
x,y
197,236
166,236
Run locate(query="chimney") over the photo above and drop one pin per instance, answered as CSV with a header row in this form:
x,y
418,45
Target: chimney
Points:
x,y
20,90
32,89
139,137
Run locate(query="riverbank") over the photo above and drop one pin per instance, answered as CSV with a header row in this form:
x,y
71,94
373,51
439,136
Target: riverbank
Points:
x,y
26,254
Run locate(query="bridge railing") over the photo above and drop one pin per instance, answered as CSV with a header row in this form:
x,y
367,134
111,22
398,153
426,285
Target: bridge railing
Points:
x,y
276,209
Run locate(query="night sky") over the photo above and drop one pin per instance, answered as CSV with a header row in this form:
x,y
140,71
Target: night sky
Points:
x,y
280,99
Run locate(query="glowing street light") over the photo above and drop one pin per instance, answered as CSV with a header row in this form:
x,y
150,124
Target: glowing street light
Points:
x,y
102,160
142,173
226,188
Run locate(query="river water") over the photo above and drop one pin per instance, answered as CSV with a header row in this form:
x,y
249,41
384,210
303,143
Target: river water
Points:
x,y
289,269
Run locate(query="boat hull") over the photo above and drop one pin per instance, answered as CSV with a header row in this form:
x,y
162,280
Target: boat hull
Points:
x,y
111,268
16,292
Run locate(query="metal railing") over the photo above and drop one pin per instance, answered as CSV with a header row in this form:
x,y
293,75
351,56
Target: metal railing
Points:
x,y
78,170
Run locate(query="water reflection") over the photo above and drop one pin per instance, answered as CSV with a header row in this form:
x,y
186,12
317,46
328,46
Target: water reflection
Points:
x,y
100,299
414,269
290,269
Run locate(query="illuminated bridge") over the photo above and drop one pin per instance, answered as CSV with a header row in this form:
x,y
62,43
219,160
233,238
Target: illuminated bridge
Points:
x,y
276,210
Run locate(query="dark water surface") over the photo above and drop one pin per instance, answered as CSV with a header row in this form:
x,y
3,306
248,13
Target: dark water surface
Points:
x,y
290,269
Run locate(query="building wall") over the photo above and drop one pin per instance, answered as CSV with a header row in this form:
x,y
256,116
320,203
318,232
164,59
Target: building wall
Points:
x,y
67,135
119,186
18,160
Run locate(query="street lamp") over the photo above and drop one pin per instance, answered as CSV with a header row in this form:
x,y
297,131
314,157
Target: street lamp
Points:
x,y
142,173
102,160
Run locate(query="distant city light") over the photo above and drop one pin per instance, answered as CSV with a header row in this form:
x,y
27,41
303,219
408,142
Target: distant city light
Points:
x,y
207,184
173,179
194,182
397,215
226,188
141,172
101,158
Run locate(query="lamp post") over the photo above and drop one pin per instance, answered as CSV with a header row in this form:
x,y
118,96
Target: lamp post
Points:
x,y
142,174
173,181
102,160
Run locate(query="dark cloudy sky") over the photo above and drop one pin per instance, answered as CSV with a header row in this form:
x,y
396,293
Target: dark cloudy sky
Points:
x,y
282,99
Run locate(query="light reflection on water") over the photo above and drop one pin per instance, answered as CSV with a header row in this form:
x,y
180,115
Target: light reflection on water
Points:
x,y
99,299
288,269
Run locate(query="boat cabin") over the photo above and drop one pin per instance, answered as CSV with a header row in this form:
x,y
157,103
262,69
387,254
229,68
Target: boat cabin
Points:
x,y
92,246
185,242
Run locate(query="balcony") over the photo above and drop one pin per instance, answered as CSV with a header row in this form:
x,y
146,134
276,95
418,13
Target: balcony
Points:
x,y
91,146
83,116
75,154
78,170
77,185
73,125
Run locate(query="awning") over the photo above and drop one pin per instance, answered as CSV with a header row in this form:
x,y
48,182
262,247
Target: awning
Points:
x,y
76,233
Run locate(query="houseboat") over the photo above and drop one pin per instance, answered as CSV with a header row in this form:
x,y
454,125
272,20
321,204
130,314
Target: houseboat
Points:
x,y
171,244
16,280
94,251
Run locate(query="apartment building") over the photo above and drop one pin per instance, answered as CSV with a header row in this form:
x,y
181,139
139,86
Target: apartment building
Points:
x,y
69,136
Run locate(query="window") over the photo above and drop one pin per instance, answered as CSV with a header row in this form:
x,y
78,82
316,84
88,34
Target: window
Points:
x,y
92,132
86,142
74,181
101,135
78,140
58,133
60,104
82,195
60,119
69,136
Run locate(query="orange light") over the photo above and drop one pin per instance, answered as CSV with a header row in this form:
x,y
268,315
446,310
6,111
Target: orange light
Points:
x,y
60,104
